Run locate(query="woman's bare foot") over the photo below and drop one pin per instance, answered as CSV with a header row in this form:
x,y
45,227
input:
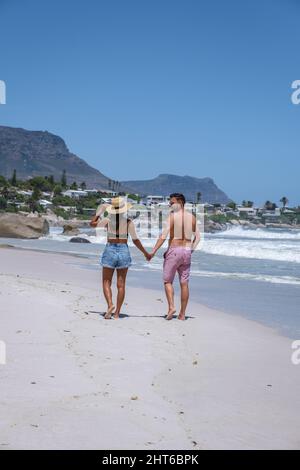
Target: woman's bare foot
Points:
x,y
181,316
170,314
116,315
109,312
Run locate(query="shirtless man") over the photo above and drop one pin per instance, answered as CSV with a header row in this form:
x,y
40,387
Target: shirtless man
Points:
x,y
184,236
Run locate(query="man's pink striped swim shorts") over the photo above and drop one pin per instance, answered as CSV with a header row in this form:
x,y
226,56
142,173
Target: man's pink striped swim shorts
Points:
x,y
177,259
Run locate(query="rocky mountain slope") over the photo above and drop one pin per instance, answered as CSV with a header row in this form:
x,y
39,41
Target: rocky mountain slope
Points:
x,y
165,184
34,153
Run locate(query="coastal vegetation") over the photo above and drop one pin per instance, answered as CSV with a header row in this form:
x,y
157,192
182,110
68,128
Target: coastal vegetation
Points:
x,y
42,194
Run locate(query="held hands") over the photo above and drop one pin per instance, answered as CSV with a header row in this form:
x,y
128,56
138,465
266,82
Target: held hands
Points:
x,y
149,256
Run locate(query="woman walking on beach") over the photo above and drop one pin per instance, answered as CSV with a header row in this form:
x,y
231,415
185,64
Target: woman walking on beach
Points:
x,y
116,254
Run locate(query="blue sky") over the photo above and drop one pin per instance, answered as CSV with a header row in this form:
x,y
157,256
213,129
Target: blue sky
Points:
x,y
142,87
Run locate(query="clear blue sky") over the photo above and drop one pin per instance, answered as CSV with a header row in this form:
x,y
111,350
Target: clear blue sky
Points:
x,y
142,87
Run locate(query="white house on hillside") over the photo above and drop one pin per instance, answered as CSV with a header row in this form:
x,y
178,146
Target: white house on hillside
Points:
x,y
155,200
75,193
25,193
91,191
45,203
107,191
250,211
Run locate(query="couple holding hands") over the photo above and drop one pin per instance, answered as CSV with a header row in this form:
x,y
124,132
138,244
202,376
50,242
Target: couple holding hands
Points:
x,y
183,236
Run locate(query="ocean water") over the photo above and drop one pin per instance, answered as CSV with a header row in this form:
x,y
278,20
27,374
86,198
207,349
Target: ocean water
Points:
x,y
255,273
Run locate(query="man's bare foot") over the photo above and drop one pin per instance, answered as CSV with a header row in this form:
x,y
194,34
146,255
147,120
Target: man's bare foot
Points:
x,y
170,314
109,312
181,316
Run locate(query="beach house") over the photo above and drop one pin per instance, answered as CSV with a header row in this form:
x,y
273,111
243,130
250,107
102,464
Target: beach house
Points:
x,y
75,193
150,200
248,211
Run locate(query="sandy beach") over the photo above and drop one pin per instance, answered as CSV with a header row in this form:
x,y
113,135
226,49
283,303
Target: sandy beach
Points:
x,y
75,381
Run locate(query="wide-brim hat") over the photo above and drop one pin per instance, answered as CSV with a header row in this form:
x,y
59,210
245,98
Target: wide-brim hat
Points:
x,y
118,206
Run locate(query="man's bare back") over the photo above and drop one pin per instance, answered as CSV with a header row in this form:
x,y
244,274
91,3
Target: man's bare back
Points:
x,y
182,228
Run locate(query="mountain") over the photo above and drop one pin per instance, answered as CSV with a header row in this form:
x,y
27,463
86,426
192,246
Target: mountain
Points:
x,y
188,185
34,153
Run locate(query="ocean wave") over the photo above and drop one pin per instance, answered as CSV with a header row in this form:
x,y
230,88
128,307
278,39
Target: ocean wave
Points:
x,y
100,237
235,275
267,250
258,233
260,244
158,264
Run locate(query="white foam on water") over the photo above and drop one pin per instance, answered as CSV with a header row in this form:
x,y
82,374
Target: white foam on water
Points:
x,y
263,244
259,249
251,277
235,275
259,233
100,237
268,244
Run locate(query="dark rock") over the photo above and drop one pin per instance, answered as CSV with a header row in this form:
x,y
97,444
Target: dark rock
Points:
x,y
70,230
210,226
79,240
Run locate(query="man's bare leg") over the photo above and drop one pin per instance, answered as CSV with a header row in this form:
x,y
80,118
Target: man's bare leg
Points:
x,y
170,298
184,286
121,281
107,275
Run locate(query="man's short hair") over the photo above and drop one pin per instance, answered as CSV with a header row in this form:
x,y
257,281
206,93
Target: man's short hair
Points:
x,y
178,196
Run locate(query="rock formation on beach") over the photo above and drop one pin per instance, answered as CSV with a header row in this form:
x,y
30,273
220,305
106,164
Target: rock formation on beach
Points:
x,y
70,230
22,226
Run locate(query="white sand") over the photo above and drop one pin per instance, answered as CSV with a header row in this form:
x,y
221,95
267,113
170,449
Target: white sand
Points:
x,y
70,375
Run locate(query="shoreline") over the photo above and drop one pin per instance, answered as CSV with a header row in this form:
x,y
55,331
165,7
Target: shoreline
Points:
x,y
260,313
215,381
158,291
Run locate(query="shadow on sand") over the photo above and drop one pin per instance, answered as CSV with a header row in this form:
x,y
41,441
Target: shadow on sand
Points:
x,y
124,315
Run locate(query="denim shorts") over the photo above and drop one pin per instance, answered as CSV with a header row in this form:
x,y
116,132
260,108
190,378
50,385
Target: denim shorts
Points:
x,y
116,256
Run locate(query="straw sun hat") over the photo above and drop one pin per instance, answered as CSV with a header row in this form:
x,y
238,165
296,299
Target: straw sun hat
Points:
x,y
118,206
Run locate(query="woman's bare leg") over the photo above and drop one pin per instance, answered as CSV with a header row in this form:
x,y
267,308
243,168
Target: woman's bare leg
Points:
x,y
107,275
121,281
170,298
